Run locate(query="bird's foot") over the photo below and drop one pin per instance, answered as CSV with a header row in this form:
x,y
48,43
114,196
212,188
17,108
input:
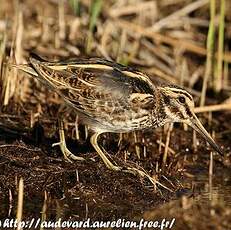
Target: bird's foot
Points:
x,y
143,174
68,155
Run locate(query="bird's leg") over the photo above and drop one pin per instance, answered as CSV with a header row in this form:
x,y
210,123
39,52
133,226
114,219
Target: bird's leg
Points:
x,y
68,155
102,155
111,166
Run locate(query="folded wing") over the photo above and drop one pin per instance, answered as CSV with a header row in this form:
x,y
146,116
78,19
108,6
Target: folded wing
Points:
x,y
96,88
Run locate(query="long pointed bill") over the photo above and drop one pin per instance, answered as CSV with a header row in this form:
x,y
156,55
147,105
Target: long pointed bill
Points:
x,y
196,124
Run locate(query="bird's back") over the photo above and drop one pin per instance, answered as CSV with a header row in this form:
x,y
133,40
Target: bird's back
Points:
x,y
109,96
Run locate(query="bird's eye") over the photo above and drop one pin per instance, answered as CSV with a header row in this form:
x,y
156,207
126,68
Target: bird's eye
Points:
x,y
181,99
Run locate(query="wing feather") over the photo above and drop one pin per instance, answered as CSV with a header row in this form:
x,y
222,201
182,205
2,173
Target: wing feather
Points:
x,y
97,88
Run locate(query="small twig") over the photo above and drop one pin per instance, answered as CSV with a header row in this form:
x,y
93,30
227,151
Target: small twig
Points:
x,y
18,146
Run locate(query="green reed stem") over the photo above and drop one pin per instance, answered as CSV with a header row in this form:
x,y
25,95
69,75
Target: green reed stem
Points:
x,y
75,5
210,51
95,10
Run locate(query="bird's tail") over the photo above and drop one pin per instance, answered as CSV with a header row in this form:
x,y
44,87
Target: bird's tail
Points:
x,y
25,68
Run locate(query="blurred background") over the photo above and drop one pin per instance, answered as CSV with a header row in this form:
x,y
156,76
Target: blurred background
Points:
x,y
184,42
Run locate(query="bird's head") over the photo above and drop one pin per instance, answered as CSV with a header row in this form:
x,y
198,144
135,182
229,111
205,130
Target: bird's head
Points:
x,y
178,106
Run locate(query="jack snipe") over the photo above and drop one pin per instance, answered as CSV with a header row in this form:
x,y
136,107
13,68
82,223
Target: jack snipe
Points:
x,y
110,97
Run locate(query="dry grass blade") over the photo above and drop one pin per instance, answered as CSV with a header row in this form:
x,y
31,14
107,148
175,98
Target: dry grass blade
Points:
x,y
62,24
177,14
167,145
218,74
213,108
131,9
3,39
160,38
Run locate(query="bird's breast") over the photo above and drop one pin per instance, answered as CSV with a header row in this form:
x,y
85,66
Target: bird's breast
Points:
x,y
125,120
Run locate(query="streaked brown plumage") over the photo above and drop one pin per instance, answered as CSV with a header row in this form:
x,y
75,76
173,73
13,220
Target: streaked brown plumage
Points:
x,y
113,98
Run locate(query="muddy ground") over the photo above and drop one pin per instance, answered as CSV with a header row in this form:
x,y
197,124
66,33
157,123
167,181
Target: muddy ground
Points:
x,y
88,189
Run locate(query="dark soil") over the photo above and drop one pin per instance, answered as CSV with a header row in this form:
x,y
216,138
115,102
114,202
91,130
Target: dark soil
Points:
x,y
89,189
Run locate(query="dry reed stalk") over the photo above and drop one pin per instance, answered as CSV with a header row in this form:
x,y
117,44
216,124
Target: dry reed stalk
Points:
x,y
226,74
86,131
210,118
72,49
3,39
194,21
184,73
194,141
161,144
137,148
106,39
20,84
61,18
121,48
10,80
20,204
195,76
6,84
120,139
179,13
166,149
86,211
59,212
145,148
160,52
157,72
157,167
77,175
211,164
77,127
44,209
169,3
158,56
219,72
10,202
129,9
212,108
161,38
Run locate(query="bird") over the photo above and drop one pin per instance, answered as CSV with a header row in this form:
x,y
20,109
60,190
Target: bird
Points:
x,y
110,97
